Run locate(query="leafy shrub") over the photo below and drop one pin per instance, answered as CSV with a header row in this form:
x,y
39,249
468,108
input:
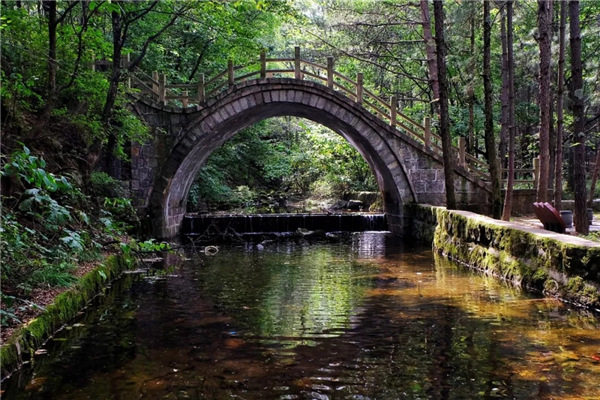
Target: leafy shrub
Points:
x,y
103,185
122,213
42,234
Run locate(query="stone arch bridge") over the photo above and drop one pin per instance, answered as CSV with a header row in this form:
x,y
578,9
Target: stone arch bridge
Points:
x,y
403,155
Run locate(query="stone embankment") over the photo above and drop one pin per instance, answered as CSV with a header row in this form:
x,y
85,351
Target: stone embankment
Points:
x,y
22,344
558,265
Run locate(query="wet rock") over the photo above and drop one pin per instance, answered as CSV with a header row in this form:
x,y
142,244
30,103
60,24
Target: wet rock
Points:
x,y
310,234
339,205
355,205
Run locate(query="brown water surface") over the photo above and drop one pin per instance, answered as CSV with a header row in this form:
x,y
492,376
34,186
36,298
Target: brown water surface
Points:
x,y
371,318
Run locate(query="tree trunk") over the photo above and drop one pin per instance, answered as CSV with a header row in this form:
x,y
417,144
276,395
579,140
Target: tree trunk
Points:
x,y
594,174
576,97
50,7
471,90
490,142
115,75
50,11
560,109
545,42
110,163
507,212
552,166
430,51
504,93
448,153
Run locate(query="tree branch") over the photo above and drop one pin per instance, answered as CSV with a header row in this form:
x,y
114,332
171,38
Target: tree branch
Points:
x,y
64,14
152,38
365,60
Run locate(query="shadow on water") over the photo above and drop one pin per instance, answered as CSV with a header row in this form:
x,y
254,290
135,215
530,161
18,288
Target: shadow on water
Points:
x,y
372,318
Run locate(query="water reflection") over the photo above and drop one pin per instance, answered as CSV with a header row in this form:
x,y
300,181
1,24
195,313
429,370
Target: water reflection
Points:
x,y
374,318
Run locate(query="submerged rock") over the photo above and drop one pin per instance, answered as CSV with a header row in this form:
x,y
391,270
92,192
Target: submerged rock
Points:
x,y
339,205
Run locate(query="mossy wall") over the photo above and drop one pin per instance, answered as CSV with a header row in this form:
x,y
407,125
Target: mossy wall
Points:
x,y
558,265
66,306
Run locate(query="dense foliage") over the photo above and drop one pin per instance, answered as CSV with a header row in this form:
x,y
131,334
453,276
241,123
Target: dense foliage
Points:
x,y
280,158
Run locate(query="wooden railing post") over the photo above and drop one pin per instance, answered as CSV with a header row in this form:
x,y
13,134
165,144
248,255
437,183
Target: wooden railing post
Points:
x,y
201,89
393,110
359,88
185,100
330,72
462,145
427,126
230,73
297,66
125,61
263,64
162,89
125,65
154,85
536,171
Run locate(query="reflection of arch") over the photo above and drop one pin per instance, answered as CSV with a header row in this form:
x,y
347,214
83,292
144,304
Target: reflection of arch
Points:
x,y
205,130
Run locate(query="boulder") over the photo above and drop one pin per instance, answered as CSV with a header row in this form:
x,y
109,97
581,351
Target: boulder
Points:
x,y
355,205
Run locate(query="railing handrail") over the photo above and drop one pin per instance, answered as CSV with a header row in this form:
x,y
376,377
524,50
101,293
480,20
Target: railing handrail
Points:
x,y
196,93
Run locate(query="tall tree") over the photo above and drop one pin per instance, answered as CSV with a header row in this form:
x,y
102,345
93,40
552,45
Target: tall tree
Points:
x,y
544,39
54,19
504,92
432,64
508,196
448,153
490,142
124,15
595,172
471,88
576,97
558,181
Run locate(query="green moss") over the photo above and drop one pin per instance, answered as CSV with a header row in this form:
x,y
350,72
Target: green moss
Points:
x,y
591,294
575,284
65,307
540,275
517,255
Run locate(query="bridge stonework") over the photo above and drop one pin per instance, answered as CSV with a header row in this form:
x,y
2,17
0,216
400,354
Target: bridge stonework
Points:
x,y
164,169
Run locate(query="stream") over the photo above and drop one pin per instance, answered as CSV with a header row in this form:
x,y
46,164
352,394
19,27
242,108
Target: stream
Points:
x,y
366,316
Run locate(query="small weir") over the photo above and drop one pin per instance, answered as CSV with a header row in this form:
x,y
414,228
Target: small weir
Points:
x,y
282,223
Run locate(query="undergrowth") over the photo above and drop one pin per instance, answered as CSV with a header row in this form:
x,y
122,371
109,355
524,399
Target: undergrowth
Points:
x,y
49,226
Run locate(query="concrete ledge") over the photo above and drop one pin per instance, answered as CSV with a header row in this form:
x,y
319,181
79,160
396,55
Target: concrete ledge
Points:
x,y
562,266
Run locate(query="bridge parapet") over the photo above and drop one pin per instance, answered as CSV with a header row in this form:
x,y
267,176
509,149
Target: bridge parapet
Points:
x,y
196,96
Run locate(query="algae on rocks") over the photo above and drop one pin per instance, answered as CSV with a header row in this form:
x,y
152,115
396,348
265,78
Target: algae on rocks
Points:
x,y
23,343
557,265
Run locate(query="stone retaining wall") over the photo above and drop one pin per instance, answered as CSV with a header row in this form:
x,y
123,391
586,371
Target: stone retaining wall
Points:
x,y
558,265
22,344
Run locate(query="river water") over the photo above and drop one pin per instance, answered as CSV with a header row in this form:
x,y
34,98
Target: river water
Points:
x,y
368,318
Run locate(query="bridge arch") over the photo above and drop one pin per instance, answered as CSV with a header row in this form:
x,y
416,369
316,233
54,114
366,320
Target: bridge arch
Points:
x,y
406,171
250,102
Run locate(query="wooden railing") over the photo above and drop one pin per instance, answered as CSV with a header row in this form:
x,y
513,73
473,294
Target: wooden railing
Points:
x,y
196,94
525,178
